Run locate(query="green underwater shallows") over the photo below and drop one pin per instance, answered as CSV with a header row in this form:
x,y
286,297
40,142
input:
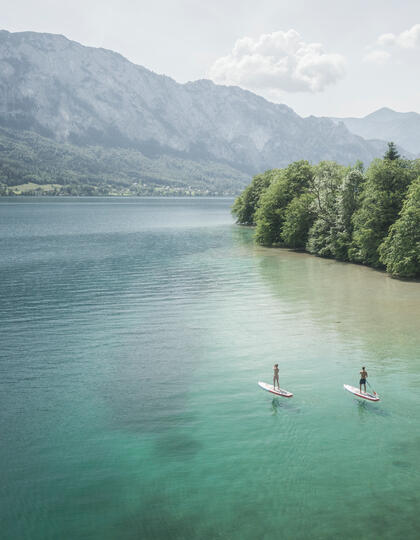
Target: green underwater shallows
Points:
x,y
133,335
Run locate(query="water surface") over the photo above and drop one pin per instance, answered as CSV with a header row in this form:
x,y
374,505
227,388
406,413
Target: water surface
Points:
x,y
133,332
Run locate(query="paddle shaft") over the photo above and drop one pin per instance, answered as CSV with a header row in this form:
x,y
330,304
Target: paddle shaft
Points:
x,y
371,387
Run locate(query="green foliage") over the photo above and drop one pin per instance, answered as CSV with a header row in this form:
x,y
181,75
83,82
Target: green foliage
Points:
x,y
343,213
299,217
271,213
27,157
326,185
331,233
337,190
321,239
348,199
326,189
392,152
381,201
400,251
246,204
299,176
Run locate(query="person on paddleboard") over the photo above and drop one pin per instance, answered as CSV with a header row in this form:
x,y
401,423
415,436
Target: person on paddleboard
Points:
x,y
363,377
276,376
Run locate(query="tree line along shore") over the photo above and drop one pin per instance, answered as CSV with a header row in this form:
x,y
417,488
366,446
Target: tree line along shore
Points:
x,y
350,214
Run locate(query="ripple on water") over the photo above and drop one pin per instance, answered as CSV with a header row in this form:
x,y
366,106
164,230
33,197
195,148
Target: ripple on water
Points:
x,y
129,360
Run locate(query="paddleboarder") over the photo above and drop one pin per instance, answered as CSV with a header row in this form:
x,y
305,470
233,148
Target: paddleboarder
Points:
x,y
363,377
276,376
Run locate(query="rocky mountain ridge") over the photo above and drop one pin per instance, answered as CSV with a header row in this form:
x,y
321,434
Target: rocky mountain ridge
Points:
x,y
402,128
89,96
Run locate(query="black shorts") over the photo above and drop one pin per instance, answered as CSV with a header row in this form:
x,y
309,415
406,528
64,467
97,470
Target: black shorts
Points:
x,y
362,381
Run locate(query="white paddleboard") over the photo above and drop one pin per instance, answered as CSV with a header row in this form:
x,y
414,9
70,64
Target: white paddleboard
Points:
x,y
364,395
276,391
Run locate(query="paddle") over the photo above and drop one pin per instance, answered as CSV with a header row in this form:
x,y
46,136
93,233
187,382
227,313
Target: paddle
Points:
x,y
371,388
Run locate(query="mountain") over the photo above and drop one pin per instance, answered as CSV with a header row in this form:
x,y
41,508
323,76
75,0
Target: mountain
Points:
x,y
85,98
389,125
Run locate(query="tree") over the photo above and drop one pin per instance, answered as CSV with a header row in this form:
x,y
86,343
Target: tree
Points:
x,y
246,204
320,239
400,251
299,217
270,215
347,203
381,201
348,199
299,176
326,189
343,213
392,152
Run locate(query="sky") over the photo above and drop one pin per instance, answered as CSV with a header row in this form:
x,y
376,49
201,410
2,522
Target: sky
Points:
x,y
321,57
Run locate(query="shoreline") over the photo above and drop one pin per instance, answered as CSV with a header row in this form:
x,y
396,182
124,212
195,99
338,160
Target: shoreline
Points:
x,y
302,251
110,196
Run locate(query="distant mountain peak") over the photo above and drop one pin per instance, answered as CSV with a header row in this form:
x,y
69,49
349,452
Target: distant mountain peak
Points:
x,y
384,110
403,128
384,113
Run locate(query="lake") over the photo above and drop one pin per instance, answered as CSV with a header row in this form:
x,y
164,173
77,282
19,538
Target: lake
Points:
x,y
133,335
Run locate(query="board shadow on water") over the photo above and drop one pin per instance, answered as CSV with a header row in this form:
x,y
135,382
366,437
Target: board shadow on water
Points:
x,y
365,408
278,405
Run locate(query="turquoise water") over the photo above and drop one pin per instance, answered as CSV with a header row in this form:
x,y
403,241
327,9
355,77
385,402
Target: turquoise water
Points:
x,y
133,333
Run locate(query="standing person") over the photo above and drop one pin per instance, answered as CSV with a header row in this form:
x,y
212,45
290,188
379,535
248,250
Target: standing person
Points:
x,y
276,376
363,377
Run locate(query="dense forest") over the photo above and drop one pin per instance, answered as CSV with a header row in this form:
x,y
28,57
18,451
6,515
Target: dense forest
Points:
x,y
347,213
31,164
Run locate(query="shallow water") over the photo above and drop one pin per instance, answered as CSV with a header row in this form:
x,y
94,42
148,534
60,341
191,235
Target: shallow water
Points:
x,y
133,333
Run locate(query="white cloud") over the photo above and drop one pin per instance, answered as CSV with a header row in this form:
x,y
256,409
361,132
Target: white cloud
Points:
x,y
409,39
377,57
278,61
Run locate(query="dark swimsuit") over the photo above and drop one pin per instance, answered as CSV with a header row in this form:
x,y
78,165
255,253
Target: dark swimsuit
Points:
x,y
362,381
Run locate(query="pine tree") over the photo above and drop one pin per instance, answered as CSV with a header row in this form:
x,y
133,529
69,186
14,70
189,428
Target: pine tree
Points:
x,y
392,152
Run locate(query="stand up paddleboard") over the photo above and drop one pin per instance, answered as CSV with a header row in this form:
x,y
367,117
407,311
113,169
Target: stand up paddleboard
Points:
x,y
277,391
364,395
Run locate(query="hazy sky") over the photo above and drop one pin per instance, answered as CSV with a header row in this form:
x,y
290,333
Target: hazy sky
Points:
x,y
321,57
